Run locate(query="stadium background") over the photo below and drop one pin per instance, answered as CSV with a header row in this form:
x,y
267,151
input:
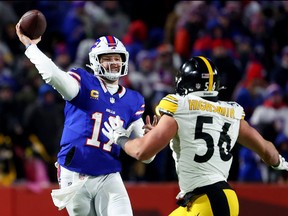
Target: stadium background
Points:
x,y
152,193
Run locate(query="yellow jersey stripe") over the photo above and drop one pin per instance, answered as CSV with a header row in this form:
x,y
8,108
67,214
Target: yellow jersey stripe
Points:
x,y
210,86
171,98
168,104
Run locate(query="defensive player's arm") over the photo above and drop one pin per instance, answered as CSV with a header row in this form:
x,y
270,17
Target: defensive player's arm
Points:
x,y
139,131
154,141
65,84
252,139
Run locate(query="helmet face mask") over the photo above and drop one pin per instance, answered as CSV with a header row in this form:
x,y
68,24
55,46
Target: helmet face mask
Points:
x,y
199,76
108,45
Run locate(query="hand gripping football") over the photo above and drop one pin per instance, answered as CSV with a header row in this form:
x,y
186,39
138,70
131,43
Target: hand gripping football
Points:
x,y
33,24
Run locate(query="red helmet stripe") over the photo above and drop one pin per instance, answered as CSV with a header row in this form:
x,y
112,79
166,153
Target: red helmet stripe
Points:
x,y
111,41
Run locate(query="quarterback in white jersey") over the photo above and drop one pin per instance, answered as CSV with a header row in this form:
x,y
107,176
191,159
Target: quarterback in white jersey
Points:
x,y
201,131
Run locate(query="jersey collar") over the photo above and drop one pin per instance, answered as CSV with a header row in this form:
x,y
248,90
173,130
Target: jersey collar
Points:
x,y
121,91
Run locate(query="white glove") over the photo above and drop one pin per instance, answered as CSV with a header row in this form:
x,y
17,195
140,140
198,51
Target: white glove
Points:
x,y
283,164
114,130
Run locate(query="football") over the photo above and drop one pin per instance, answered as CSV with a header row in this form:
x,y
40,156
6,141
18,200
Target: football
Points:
x,y
33,24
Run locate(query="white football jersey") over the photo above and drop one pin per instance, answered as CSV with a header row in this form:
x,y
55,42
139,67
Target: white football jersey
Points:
x,y
207,132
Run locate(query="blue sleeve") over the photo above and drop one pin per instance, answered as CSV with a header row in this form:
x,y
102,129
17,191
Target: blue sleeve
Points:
x,y
139,107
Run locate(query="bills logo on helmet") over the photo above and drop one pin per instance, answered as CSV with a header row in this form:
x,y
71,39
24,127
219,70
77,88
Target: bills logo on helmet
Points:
x,y
95,44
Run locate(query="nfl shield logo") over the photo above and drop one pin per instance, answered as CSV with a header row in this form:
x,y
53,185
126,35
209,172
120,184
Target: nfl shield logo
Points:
x,y
112,100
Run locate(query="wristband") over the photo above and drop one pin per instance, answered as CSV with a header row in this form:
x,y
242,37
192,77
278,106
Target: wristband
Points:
x,y
122,141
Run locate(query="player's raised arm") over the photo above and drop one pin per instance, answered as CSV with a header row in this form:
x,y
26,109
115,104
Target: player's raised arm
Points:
x,y
66,85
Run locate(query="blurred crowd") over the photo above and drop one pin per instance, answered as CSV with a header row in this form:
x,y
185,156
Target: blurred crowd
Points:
x,y
247,40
